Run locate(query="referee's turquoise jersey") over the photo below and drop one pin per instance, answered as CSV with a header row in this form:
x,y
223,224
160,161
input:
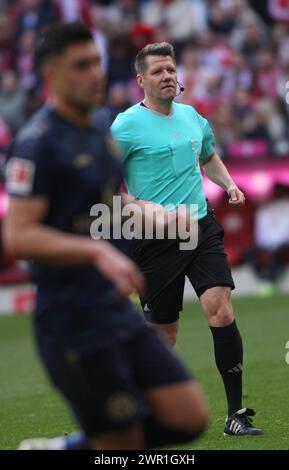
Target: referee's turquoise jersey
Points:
x,y
161,154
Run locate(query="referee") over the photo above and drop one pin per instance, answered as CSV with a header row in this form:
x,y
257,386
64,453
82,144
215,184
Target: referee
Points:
x,y
164,144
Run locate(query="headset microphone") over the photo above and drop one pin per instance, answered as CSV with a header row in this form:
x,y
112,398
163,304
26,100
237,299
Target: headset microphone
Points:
x,y
181,87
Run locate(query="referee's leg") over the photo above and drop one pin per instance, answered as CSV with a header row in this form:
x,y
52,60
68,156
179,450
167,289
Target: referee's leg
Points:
x,y
217,306
228,346
168,330
162,309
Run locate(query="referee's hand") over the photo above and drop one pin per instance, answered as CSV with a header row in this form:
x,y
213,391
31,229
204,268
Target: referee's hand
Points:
x,y
119,269
236,197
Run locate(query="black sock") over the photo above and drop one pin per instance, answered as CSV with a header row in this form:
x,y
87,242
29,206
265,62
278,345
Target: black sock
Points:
x,y
229,359
158,435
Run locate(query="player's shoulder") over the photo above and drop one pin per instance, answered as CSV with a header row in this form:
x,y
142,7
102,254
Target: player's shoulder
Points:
x,y
127,117
35,138
39,127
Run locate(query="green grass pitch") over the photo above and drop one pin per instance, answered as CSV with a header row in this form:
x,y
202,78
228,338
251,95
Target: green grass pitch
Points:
x,y
30,408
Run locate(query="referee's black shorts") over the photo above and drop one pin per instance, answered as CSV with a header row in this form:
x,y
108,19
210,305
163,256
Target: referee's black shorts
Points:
x,y
165,267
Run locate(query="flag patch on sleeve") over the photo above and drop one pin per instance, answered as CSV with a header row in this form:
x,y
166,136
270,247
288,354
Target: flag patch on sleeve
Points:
x,y
20,176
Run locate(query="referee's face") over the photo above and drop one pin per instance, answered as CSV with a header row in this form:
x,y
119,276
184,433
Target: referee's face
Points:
x,y
159,80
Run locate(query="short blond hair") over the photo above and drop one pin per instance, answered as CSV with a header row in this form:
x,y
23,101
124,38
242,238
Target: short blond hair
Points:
x,y
157,48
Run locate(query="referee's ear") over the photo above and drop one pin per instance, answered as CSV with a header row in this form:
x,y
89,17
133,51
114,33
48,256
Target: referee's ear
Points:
x,y
139,79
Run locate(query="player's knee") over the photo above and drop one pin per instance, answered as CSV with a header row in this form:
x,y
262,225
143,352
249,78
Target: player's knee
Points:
x,y
127,439
190,414
196,420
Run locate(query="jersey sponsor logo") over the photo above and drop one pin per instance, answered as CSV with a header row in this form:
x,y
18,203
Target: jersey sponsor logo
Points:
x,y
20,176
82,160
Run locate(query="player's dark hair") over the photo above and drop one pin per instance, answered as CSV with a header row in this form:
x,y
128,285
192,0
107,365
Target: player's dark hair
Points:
x,y
158,48
57,38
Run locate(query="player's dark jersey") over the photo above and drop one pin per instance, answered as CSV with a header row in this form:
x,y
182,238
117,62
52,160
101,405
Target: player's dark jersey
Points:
x,y
74,169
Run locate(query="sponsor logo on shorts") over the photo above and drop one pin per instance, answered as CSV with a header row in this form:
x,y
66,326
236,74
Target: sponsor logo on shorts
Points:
x,y
121,406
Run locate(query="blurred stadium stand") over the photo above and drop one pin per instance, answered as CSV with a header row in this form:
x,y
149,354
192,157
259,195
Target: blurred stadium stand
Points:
x,y
232,58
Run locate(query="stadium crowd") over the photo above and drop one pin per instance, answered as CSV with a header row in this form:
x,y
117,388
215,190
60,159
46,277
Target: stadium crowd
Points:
x,y
233,61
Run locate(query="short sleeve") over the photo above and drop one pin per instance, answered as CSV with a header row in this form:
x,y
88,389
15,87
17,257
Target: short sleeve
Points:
x,y
29,168
208,144
121,133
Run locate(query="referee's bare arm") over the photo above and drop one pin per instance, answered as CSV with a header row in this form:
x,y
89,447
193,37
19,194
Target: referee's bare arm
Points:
x,y
26,236
218,173
153,213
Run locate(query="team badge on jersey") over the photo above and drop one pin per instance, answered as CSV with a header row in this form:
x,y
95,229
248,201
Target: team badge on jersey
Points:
x,y
20,176
176,136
